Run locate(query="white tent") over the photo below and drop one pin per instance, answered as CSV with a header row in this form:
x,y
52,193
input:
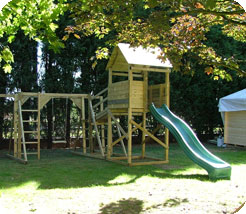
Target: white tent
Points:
x,y
233,102
233,112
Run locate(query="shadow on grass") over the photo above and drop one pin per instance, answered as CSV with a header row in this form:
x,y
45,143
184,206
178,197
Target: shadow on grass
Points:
x,y
61,169
124,206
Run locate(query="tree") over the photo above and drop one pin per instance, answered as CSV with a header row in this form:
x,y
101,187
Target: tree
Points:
x,y
195,97
179,27
35,18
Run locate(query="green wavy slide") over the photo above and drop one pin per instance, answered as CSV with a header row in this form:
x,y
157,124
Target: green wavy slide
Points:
x,y
193,148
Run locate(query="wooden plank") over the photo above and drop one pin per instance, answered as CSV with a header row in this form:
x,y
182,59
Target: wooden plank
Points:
x,y
29,110
102,126
110,138
153,133
117,123
226,128
96,156
120,67
149,163
149,134
43,100
15,127
96,129
152,69
125,158
121,74
130,78
145,106
16,159
100,103
7,95
100,93
167,89
22,131
77,102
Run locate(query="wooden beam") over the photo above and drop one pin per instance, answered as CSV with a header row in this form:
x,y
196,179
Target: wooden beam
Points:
x,y
15,127
117,123
95,127
99,94
77,102
148,163
7,95
102,126
167,90
101,102
151,69
130,80
83,124
153,133
39,124
16,159
149,134
43,101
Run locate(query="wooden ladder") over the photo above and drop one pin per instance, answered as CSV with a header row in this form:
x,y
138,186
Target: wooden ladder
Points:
x,y
95,128
24,132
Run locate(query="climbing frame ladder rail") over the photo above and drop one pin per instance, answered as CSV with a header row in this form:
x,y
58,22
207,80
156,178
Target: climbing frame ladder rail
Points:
x,y
22,130
95,127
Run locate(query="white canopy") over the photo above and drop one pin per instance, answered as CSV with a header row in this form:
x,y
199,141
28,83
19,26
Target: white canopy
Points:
x,y
233,102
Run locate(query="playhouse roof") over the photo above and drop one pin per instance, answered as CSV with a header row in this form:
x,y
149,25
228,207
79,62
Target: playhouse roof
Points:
x,y
233,102
123,55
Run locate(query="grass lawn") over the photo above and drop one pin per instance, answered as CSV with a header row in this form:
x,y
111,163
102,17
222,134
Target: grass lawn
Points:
x,y
64,183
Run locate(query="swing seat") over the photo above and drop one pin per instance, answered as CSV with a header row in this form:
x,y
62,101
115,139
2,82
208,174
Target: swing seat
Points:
x,y
59,141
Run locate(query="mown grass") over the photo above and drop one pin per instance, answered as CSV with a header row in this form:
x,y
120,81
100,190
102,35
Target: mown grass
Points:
x,y
65,183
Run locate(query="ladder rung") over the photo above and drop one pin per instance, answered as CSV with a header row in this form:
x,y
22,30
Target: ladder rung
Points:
x,y
30,142
29,110
30,132
30,121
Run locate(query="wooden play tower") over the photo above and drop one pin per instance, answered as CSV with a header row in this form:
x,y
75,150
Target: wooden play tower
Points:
x,y
129,94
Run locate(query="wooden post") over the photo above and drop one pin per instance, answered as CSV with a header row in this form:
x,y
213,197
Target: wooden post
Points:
x,y
110,138
109,148
226,127
38,119
15,126
167,92
83,124
102,126
90,128
19,128
145,96
130,79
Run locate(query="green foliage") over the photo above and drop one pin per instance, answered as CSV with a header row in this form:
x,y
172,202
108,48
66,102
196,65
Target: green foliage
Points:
x,y
195,96
35,18
179,27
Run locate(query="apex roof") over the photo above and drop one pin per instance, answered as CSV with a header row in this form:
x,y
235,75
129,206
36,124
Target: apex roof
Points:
x,y
123,55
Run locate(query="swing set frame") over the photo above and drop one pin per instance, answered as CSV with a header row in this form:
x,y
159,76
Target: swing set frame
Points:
x,y
20,154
